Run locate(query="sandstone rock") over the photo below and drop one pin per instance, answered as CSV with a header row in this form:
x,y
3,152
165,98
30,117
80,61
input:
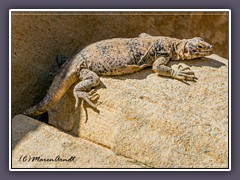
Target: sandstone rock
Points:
x,y
38,37
158,121
32,139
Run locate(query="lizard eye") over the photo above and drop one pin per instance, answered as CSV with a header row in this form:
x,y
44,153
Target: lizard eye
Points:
x,y
199,46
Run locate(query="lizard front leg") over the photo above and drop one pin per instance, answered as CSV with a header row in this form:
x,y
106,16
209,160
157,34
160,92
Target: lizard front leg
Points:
x,y
159,66
88,79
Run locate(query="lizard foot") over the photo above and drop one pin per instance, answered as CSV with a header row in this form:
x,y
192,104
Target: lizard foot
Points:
x,y
85,96
93,95
184,74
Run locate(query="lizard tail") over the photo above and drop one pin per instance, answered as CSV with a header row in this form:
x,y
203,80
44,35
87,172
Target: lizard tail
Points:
x,y
61,83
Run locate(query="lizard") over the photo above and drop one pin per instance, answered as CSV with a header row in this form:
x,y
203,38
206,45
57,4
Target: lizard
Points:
x,y
119,56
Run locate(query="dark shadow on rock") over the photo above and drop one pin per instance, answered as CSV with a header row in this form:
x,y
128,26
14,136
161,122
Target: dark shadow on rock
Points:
x,y
19,131
200,62
100,86
86,106
43,117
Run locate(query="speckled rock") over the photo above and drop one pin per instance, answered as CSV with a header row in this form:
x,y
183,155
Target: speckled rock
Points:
x,y
38,37
158,121
38,145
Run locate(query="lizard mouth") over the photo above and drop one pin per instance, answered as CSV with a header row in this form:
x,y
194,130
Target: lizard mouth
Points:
x,y
199,53
203,52
207,52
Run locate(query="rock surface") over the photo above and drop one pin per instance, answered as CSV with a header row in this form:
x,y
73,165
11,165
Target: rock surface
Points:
x,y
158,121
38,37
150,120
155,121
32,139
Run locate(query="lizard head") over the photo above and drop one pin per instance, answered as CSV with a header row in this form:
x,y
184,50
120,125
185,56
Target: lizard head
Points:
x,y
196,48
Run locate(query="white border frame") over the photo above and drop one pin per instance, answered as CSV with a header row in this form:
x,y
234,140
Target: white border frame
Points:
x,y
120,10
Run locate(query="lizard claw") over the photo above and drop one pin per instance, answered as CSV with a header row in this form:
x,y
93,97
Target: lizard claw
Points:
x,y
84,96
184,74
93,95
93,91
183,69
180,66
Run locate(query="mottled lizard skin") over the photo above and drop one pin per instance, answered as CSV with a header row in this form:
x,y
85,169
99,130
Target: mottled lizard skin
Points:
x,y
117,57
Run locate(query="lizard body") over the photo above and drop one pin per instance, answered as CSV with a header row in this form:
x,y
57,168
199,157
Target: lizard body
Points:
x,y
117,57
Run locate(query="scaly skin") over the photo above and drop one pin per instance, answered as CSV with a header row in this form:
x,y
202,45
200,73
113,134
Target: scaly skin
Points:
x,y
117,57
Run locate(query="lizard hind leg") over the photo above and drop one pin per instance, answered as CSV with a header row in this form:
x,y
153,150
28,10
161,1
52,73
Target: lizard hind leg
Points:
x,y
88,79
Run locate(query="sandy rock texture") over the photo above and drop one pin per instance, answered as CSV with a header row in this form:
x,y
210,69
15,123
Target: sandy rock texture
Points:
x,y
158,121
38,37
38,145
144,120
